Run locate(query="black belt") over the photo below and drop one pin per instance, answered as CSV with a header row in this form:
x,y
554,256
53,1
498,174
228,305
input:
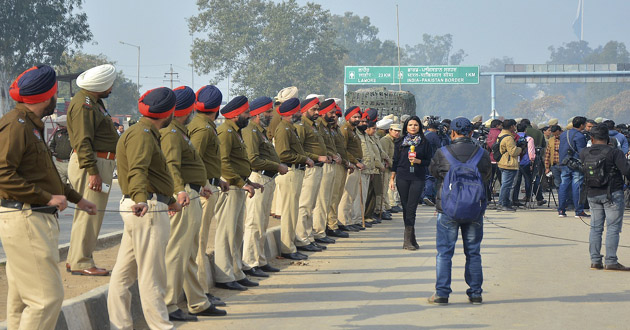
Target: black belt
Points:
x,y
296,166
268,173
195,187
319,164
34,207
160,198
214,181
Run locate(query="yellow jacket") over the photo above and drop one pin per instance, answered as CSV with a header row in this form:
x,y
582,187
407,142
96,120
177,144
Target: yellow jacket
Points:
x,y
509,152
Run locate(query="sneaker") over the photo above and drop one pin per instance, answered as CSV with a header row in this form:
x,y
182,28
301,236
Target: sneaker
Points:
x,y
436,300
562,214
428,201
508,208
541,203
597,266
582,215
475,300
617,266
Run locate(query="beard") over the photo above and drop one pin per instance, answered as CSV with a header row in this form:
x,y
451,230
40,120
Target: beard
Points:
x,y
296,118
313,117
265,121
167,122
329,119
104,94
50,108
362,128
242,122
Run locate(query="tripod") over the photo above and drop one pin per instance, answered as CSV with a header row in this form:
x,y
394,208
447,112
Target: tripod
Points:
x,y
537,175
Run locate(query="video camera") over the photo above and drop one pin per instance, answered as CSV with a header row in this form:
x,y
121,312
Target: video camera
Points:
x,y
435,123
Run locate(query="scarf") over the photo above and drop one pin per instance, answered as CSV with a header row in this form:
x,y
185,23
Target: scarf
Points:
x,y
411,140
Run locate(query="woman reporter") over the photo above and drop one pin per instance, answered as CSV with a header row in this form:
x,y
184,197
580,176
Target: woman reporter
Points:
x,y
412,156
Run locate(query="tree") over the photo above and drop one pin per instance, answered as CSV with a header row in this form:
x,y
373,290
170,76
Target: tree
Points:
x,y
124,97
265,46
37,31
360,40
539,108
434,50
575,52
616,107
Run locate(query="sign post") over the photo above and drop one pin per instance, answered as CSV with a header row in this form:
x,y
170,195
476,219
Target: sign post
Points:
x,y
415,75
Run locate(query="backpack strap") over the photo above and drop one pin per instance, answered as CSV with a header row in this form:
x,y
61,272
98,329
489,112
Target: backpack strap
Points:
x,y
449,156
475,158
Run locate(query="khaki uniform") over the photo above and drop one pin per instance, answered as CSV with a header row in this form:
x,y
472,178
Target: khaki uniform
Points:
x,y
291,153
61,150
230,209
322,204
339,178
144,178
314,146
29,237
371,162
375,189
264,161
189,175
203,136
92,133
391,196
350,201
276,202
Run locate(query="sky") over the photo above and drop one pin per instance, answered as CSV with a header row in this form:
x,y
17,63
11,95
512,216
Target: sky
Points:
x,y
484,29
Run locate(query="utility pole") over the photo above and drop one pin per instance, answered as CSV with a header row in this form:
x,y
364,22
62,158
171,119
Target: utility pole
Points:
x,y
171,74
138,47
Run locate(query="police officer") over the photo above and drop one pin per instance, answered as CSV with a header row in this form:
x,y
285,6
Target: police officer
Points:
x,y
32,193
387,142
230,209
203,136
291,153
147,188
350,203
265,165
189,178
324,197
341,171
283,95
93,137
61,149
367,174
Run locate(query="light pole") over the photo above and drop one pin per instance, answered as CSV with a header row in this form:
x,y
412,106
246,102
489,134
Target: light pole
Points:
x,y
138,78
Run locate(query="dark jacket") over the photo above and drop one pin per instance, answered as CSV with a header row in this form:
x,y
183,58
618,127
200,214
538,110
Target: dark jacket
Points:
x,y
434,140
578,142
401,162
616,164
462,149
492,138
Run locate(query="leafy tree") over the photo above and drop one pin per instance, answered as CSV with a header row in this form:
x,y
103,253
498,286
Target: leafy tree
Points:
x,y
539,109
37,31
434,50
575,52
124,97
616,107
265,46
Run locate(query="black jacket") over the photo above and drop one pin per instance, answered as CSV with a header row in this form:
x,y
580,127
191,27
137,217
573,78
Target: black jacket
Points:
x,y
462,149
401,162
616,164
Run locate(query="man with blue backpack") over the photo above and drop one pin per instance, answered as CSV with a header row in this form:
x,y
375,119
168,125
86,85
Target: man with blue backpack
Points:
x,y
462,170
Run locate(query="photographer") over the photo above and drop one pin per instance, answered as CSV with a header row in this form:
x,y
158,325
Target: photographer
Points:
x,y
508,164
432,134
525,165
604,167
572,142
622,142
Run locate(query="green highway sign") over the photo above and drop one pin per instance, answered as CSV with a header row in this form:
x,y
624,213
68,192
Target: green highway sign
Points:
x,y
428,75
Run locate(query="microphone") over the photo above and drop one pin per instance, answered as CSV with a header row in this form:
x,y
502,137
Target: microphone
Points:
x,y
412,153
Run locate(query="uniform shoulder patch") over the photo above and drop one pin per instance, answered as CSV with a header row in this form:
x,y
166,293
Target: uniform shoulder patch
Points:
x,y
87,101
21,121
207,126
37,134
229,130
173,130
254,130
146,130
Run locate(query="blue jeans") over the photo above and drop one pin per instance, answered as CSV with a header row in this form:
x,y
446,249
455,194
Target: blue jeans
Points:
x,y
507,180
556,170
524,173
429,188
571,181
446,238
603,209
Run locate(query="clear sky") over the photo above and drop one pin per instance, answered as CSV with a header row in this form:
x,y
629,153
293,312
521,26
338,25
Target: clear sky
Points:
x,y
485,29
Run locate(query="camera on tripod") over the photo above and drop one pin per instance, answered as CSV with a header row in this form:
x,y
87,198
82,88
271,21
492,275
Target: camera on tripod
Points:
x,y
434,122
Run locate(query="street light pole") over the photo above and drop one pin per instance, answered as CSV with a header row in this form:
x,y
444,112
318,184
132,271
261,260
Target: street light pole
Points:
x,y
138,77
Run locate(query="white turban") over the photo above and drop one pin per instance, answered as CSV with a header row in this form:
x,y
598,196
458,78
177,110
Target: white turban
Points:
x,y
477,118
97,79
384,123
319,96
286,93
62,120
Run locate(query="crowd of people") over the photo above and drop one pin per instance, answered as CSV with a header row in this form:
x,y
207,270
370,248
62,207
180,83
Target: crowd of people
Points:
x,y
324,172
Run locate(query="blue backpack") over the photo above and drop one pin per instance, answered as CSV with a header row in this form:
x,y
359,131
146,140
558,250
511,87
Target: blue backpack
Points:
x,y
463,191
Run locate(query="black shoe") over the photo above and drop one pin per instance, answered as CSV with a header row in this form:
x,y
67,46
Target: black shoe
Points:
x,y
294,256
310,248
337,233
386,216
246,282
392,211
255,271
475,300
269,269
507,209
435,300
358,227
617,266
541,203
216,301
597,266
230,286
396,209
367,225
428,201
319,246
180,316
347,228
325,240
211,311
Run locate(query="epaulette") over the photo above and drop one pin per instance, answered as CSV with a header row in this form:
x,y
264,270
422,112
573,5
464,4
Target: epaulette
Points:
x,y
229,130
173,130
21,121
146,130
